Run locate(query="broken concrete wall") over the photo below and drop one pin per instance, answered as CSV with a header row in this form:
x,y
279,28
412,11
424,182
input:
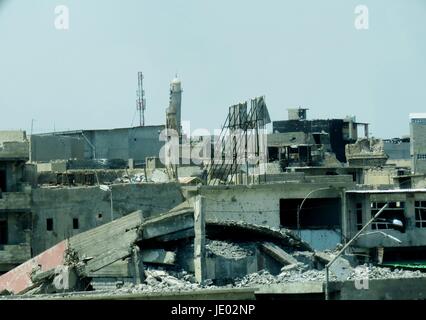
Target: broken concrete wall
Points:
x,y
13,145
12,136
366,152
90,206
379,176
14,151
256,204
60,175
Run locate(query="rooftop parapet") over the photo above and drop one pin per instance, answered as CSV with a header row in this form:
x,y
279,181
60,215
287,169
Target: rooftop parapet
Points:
x,y
13,145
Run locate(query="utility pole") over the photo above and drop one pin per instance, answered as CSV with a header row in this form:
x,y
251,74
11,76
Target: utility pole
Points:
x,y
140,100
327,267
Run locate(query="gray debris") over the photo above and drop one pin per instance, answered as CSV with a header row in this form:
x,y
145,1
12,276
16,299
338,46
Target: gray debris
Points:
x,y
229,250
373,272
164,281
305,257
301,274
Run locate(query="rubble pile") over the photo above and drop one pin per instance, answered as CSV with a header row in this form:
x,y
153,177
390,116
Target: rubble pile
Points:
x,y
302,273
158,281
160,255
373,272
228,249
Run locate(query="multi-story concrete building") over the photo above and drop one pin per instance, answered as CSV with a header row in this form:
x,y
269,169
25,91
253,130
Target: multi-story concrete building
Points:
x,y
334,134
418,141
15,199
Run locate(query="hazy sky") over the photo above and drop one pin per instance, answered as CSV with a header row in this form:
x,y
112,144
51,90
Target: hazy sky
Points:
x,y
296,53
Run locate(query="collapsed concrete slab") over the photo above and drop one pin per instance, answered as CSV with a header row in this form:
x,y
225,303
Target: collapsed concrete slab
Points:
x,y
108,243
18,280
278,254
120,251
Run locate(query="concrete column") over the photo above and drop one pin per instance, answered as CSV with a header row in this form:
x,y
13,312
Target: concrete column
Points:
x,y
366,214
200,240
344,216
410,211
137,266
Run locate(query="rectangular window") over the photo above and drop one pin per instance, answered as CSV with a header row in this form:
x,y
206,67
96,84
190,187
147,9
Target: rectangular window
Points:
x,y
3,182
395,210
3,232
421,156
316,213
420,212
49,224
75,224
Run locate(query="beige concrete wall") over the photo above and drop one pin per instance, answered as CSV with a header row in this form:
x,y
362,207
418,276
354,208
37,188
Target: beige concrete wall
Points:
x,y
12,136
257,204
87,203
375,177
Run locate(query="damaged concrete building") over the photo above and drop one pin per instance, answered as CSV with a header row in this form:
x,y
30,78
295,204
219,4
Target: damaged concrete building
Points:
x,y
15,201
307,142
103,217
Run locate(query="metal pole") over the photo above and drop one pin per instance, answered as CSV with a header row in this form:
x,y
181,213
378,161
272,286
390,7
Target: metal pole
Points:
x,y
327,267
301,205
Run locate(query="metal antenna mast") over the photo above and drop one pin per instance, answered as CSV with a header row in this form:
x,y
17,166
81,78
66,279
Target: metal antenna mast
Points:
x,y
140,100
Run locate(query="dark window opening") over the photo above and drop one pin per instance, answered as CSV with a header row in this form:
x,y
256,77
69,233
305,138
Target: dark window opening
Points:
x,y
49,224
304,154
413,255
321,213
359,216
395,210
75,224
317,138
100,216
3,183
405,183
273,154
3,232
420,212
331,173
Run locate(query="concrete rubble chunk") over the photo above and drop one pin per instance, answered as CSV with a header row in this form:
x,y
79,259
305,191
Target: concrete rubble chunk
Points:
x,y
323,257
41,276
278,254
158,256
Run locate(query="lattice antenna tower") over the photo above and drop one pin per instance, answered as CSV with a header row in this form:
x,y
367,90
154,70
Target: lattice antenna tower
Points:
x,y
140,100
